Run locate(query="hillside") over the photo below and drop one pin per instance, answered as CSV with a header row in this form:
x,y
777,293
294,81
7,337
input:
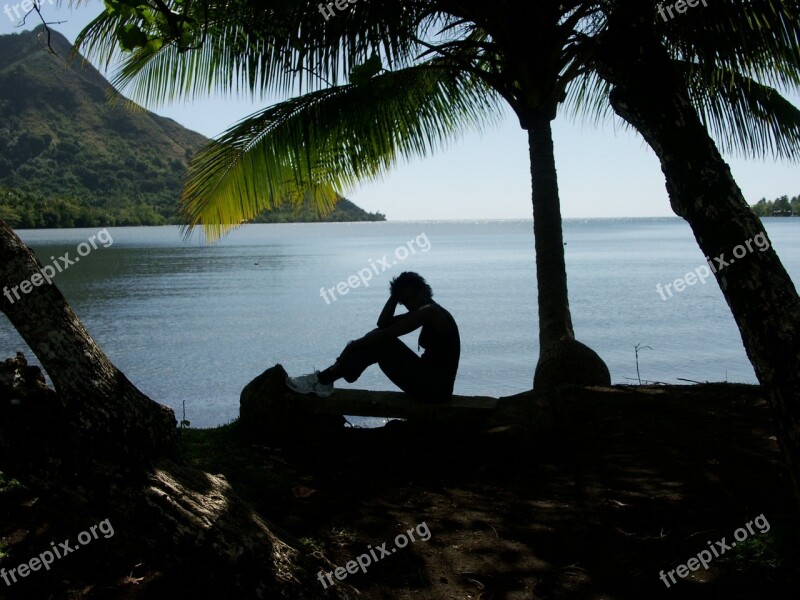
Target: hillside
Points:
x,y
68,158
344,211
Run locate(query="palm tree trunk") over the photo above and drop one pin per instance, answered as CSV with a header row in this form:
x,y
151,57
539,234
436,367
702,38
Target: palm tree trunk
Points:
x,y
103,410
555,321
650,96
562,359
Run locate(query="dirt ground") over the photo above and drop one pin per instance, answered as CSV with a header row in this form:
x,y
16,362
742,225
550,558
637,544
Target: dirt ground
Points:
x,y
639,483
640,480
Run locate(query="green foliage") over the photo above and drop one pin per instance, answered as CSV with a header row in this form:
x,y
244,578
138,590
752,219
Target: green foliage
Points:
x,y
767,550
30,210
68,159
312,545
303,150
9,485
154,27
227,450
446,68
313,147
11,491
88,164
344,211
780,207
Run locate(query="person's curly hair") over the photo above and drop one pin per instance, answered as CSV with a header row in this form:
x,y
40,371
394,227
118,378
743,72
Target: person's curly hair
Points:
x,y
410,280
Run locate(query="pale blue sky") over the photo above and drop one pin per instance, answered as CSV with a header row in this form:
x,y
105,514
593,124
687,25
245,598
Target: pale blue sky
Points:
x,y
605,171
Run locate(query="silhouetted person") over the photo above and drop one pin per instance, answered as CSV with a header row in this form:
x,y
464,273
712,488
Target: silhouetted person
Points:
x,y
429,377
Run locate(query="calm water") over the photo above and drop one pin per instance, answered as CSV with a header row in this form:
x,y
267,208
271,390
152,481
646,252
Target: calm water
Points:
x,y
194,322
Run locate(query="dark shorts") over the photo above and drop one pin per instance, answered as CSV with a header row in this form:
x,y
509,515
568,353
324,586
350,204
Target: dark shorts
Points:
x,y
408,371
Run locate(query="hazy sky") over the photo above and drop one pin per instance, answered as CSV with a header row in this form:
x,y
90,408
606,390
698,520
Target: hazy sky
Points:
x,y
606,171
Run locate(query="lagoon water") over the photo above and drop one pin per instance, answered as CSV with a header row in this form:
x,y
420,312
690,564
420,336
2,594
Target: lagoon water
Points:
x,y
188,321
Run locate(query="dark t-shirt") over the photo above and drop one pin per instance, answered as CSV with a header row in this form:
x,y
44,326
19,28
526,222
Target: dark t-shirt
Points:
x,y
442,351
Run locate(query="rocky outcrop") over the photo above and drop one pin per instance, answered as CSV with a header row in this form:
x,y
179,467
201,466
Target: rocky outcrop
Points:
x,y
268,410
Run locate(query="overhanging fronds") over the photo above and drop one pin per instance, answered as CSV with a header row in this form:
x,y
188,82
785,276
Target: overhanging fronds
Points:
x,y
327,141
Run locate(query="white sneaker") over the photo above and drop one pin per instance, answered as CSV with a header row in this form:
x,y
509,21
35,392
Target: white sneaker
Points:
x,y
309,384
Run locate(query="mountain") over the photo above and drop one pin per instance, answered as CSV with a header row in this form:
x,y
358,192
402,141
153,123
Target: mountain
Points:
x,y
69,158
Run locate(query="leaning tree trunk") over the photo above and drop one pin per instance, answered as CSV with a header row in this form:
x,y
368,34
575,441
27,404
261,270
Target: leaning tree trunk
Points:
x,y
649,95
562,359
99,448
109,413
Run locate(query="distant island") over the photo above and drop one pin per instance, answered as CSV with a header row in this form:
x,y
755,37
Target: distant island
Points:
x,y
344,211
70,159
29,210
780,207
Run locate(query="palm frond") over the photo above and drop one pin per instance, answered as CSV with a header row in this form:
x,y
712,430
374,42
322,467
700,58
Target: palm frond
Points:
x,y
743,115
251,46
759,39
311,147
731,55
587,99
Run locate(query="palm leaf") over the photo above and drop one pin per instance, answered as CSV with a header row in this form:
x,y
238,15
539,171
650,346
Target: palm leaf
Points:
x,y
744,116
759,39
250,46
311,147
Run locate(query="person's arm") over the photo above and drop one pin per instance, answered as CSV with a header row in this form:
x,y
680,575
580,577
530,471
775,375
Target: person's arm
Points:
x,y
405,324
387,317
